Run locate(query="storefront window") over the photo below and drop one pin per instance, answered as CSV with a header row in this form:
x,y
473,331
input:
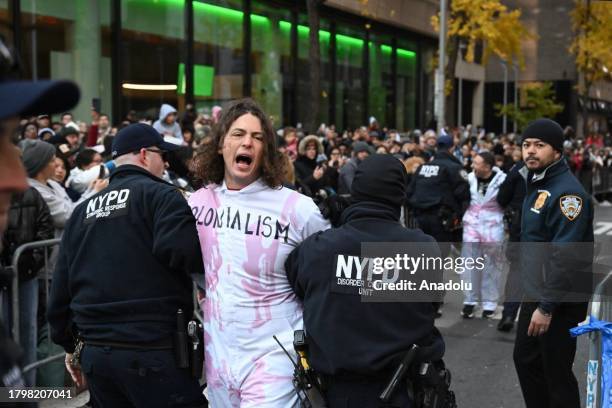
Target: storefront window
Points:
x,y
349,78
218,52
303,88
270,59
406,85
152,47
381,102
62,39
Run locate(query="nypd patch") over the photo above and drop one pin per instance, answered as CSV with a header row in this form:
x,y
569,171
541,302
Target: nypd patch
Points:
x,y
571,205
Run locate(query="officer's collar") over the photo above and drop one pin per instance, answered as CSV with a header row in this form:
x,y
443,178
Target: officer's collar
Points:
x,y
552,170
130,168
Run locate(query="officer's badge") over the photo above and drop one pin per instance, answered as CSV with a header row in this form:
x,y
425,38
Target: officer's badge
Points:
x,y
571,206
464,174
540,201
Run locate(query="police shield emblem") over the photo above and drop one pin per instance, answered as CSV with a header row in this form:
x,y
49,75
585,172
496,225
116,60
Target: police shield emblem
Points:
x,y
571,206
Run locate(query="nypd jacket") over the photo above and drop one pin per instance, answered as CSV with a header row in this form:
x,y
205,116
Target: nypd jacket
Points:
x,y
556,237
441,181
124,263
345,333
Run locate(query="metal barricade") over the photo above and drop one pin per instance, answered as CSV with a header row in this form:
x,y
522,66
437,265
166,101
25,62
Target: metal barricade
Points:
x,y
46,246
601,309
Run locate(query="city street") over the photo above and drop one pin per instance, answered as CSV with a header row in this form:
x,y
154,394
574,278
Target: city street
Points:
x,y
480,356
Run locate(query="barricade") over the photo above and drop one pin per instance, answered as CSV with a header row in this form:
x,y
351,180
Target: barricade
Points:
x,y
601,309
44,275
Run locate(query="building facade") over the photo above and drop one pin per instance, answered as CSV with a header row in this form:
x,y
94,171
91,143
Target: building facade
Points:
x,y
547,58
136,54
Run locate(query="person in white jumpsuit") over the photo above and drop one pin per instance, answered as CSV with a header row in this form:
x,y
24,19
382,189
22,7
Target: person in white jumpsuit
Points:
x,y
483,234
247,225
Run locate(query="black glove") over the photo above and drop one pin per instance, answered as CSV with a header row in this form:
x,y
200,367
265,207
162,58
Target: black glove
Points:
x,y
332,207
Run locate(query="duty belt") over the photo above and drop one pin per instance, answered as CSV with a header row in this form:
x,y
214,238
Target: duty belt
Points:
x,y
152,345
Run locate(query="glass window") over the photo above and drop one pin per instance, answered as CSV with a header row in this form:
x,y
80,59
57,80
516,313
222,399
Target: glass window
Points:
x,y
406,85
62,40
349,78
303,88
381,102
152,49
271,59
218,53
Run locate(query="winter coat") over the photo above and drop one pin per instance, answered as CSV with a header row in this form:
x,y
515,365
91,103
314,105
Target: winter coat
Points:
x,y
29,221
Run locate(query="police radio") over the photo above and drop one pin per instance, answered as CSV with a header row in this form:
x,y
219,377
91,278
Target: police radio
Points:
x,y
305,381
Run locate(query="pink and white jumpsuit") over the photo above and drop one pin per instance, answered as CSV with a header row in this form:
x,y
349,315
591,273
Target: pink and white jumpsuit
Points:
x,y
245,236
483,236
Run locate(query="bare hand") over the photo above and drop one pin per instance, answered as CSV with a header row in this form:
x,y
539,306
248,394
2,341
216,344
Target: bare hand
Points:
x,y
318,173
539,324
75,372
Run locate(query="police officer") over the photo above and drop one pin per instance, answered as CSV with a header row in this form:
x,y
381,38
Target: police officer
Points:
x,y
439,195
121,278
556,263
356,345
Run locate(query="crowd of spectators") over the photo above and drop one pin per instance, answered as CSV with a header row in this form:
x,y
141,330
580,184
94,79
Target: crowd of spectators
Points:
x,y
318,163
69,160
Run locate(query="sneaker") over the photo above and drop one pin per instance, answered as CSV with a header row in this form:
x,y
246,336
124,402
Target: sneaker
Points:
x,y
486,314
505,324
468,312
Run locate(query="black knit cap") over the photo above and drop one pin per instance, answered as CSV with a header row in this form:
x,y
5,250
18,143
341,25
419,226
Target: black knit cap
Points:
x,y
547,131
380,178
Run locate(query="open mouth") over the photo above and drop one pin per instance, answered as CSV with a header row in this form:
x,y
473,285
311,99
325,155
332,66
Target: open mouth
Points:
x,y
244,161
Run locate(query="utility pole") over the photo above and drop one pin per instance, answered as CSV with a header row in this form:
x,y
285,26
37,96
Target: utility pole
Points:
x,y
439,107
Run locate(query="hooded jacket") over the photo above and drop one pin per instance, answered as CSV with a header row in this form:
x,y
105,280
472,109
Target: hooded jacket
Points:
x,y
174,130
347,335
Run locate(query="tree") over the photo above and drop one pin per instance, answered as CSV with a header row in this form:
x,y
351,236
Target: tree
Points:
x,y
591,45
480,22
314,55
539,102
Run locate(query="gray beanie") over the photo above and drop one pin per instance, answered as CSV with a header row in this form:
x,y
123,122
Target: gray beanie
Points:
x,y
36,155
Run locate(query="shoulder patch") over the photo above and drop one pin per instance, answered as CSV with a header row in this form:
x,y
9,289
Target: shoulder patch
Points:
x,y
464,174
571,206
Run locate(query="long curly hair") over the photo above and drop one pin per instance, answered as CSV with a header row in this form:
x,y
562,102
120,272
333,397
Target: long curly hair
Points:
x,y
208,166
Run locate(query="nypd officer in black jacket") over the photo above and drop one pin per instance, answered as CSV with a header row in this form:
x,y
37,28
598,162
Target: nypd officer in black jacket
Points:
x,y
122,275
354,344
439,194
556,267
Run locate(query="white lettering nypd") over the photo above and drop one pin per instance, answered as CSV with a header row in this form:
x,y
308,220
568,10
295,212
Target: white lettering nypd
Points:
x,y
110,204
429,170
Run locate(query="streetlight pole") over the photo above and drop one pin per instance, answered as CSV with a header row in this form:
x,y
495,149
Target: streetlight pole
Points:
x,y
439,105
462,47
515,68
505,102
